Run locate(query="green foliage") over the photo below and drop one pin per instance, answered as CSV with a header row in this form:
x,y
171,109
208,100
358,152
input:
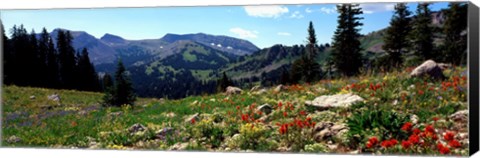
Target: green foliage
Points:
x,y
421,35
455,45
395,37
383,123
316,148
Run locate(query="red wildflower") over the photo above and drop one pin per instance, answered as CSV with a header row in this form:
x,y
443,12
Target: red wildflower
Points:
x,y
284,129
416,131
373,140
444,150
193,120
454,144
279,104
448,136
313,124
435,119
238,107
429,129
406,144
389,143
420,92
369,145
407,126
284,114
414,139
74,123
308,119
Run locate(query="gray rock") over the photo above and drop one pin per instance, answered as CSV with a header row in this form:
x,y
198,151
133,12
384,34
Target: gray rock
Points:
x,y
233,90
255,88
325,102
460,116
265,108
414,119
136,128
195,117
325,130
280,88
32,97
179,146
161,134
13,139
429,68
54,97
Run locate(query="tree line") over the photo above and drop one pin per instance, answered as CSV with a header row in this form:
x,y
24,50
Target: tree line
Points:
x,y
37,61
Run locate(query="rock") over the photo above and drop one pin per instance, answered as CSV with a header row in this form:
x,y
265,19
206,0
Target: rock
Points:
x,y
136,128
161,134
325,130
325,102
265,108
54,97
255,88
116,114
354,152
414,119
430,68
32,97
13,139
460,116
195,117
170,115
179,146
233,90
280,88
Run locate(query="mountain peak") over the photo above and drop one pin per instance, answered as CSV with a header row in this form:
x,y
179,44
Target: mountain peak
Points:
x,y
112,38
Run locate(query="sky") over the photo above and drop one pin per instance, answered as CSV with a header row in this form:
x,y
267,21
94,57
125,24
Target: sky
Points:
x,y
264,25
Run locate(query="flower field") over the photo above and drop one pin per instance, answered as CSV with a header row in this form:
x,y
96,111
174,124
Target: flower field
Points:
x,y
398,115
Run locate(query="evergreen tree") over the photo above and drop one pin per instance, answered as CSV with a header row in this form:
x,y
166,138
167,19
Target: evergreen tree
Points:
x,y
296,70
43,48
87,78
66,59
395,37
107,82
285,76
346,45
22,56
455,45
7,57
422,35
312,68
53,78
34,75
122,93
223,83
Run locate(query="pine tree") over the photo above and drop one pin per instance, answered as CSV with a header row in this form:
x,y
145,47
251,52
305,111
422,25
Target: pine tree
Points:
x,y
455,45
346,45
66,59
107,82
395,37
23,57
285,76
7,57
122,93
53,78
43,48
312,68
87,78
223,83
422,35
34,75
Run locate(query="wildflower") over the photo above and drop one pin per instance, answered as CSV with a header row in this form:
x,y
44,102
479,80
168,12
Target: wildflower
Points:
x,y
416,131
238,107
193,120
443,150
435,119
420,92
284,114
449,136
74,123
406,144
279,104
283,129
373,140
429,129
414,139
407,126
389,143
454,144
308,119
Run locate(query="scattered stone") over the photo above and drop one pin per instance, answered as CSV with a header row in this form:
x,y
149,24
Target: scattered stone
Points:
x,y
136,128
195,117
161,134
265,108
255,88
430,68
32,97
179,146
280,88
460,116
54,97
233,90
325,130
116,114
284,149
414,119
170,115
13,139
325,102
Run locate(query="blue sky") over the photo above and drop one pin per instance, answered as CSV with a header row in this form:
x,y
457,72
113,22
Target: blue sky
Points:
x,y
262,25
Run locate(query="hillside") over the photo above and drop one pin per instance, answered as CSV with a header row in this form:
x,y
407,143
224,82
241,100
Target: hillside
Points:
x,y
270,120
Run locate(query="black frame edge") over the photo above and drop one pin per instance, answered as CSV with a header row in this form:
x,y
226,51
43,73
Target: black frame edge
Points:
x,y
473,52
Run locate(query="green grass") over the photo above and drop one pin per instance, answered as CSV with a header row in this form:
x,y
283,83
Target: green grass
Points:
x,y
80,116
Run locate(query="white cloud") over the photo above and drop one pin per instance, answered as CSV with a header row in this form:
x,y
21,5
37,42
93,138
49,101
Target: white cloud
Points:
x,y
265,11
308,10
242,33
328,10
372,8
283,34
296,15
